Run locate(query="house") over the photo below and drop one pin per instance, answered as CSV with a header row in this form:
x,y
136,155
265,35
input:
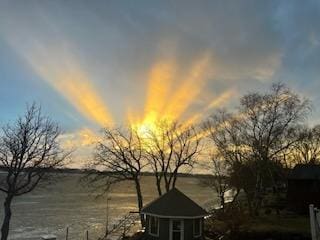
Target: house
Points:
x,y
173,216
304,187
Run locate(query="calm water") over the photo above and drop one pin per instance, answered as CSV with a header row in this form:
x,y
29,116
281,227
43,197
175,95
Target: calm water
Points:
x,y
51,210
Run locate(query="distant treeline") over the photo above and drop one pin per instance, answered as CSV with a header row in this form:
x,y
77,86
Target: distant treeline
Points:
x,y
86,171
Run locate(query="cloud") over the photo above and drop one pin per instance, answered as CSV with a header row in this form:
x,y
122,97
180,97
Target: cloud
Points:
x,y
82,143
83,137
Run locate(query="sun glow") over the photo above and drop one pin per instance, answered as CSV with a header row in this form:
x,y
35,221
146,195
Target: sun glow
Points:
x,y
147,125
166,102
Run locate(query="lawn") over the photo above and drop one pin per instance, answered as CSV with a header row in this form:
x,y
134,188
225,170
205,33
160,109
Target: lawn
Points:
x,y
286,222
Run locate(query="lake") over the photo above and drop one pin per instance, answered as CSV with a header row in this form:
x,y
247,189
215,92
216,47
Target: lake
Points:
x,y
67,203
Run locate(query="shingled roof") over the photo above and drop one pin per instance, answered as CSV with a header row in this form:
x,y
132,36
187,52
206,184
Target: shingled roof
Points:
x,y
174,204
305,171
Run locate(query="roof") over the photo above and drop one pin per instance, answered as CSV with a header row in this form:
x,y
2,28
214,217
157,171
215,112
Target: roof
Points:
x,y
174,204
305,172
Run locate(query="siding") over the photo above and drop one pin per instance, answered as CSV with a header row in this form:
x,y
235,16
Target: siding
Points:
x,y
164,229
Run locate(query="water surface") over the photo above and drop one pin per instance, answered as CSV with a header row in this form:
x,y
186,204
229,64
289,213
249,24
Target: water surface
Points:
x,y
67,203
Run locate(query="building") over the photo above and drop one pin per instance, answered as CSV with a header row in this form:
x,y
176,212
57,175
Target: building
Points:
x,y
173,216
304,187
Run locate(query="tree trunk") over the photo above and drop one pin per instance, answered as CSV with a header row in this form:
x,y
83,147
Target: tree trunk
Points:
x,y
167,187
167,183
175,177
158,183
222,201
159,186
171,182
7,216
257,201
249,201
139,199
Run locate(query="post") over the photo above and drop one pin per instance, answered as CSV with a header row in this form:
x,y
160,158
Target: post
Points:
x,y
87,234
67,233
313,222
107,218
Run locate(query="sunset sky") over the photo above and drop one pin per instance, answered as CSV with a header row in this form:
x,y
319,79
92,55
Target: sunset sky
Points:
x,y
97,63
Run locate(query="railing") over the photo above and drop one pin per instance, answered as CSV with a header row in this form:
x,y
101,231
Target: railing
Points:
x,y
116,232
122,227
314,222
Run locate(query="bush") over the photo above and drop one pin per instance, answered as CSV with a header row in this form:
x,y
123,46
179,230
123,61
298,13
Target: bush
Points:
x,y
226,222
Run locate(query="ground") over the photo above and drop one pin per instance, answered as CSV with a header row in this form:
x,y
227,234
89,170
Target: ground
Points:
x,y
286,222
271,226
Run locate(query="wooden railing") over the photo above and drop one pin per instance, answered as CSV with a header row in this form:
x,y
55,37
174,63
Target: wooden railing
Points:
x,y
122,227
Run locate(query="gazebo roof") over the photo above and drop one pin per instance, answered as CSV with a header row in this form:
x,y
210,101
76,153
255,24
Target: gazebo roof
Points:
x,y
174,204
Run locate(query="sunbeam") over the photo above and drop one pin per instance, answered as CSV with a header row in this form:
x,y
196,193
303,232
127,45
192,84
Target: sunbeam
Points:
x,y
166,102
75,86
55,64
190,89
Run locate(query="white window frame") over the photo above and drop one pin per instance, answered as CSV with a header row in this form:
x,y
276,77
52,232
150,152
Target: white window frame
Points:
x,y
158,226
200,227
181,230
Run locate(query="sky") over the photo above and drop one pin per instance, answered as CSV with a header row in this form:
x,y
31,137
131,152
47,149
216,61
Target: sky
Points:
x,y
94,63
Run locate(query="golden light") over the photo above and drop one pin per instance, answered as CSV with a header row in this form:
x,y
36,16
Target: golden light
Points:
x,y
159,85
166,103
190,88
218,101
75,85
147,125
171,88
55,63
84,137
222,99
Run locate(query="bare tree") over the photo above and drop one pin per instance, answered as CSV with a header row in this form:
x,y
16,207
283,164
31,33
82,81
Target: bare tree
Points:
x,y
120,154
224,132
28,149
269,129
307,150
219,179
265,128
171,147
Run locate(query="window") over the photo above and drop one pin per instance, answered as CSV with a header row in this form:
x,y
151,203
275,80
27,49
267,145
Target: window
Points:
x,y
154,226
176,230
197,227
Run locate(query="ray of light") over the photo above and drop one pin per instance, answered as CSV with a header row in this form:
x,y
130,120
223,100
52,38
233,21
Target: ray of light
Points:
x,y
60,69
159,84
221,99
75,86
164,102
52,57
189,90
218,101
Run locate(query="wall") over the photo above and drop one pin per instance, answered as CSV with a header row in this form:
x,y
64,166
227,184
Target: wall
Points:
x,y
164,229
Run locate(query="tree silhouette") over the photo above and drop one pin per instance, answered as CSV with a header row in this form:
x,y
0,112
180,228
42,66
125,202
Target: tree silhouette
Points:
x,y
28,149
